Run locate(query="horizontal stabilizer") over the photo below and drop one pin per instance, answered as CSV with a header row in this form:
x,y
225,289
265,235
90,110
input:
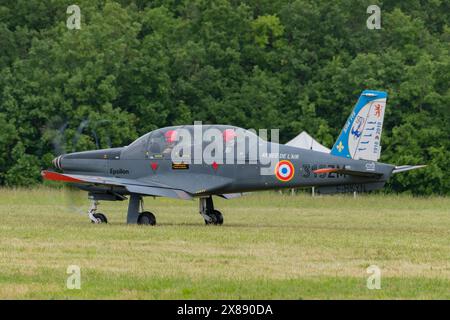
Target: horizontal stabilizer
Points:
x,y
398,169
350,188
350,172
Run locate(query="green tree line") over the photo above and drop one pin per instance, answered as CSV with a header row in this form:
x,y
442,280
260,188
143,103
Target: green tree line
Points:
x,y
138,65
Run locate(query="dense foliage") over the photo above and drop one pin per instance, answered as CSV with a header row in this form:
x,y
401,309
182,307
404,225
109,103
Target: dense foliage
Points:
x,y
137,65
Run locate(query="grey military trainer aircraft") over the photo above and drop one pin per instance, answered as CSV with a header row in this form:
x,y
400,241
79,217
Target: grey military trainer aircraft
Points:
x,y
201,161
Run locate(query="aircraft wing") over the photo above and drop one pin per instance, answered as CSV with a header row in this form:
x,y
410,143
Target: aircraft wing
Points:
x,y
161,192
133,186
193,183
231,195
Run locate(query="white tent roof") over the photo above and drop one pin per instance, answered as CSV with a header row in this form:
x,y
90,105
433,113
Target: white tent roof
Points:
x,y
305,141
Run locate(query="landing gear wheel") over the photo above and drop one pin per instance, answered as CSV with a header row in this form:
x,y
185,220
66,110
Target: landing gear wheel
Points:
x,y
146,218
219,217
216,218
101,218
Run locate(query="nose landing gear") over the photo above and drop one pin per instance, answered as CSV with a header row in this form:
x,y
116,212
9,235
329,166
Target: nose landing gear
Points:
x,y
207,211
95,217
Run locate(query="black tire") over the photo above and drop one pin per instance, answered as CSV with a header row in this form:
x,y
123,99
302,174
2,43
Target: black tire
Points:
x,y
146,218
213,219
216,218
101,217
219,217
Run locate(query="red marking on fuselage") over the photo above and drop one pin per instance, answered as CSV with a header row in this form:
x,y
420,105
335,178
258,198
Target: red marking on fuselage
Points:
x,y
325,170
55,176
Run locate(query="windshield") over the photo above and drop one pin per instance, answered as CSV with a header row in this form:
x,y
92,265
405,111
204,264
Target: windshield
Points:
x,y
160,143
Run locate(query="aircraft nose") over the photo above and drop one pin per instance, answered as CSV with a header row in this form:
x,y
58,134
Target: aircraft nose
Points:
x,y
57,162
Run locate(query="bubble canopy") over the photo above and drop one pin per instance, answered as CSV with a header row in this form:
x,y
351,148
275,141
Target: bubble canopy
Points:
x,y
159,143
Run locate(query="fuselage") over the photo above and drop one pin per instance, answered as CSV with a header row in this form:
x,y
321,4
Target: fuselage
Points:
x,y
200,171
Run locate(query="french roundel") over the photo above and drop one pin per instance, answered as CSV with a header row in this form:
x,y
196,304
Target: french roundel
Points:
x,y
284,170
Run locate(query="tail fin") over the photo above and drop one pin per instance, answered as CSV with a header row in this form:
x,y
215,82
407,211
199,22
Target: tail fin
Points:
x,y
360,138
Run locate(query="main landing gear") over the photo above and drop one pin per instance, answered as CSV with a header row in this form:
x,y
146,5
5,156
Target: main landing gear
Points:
x,y
211,216
136,213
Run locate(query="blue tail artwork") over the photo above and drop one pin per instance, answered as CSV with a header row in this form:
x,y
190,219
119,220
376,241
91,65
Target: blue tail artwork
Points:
x,y
361,136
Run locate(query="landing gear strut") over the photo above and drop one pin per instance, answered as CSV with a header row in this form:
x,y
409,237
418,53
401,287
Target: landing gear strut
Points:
x,y
211,216
140,217
94,216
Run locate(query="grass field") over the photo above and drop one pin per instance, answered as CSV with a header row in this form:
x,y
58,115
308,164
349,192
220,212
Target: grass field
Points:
x,y
271,247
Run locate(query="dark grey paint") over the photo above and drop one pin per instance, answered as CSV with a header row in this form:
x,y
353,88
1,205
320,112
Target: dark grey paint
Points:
x,y
134,174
